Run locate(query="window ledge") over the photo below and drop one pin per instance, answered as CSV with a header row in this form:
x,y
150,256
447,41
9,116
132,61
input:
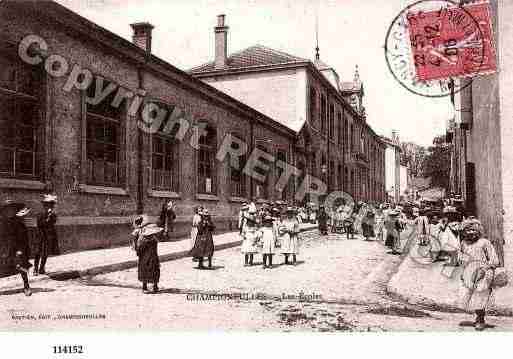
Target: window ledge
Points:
x,y
207,197
103,190
238,199
163,194
22,184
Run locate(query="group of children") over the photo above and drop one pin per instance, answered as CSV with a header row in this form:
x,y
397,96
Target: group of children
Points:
x,y
268,233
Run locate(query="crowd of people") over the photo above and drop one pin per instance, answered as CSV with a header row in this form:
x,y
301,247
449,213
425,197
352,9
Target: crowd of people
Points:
x,y
271,230
445,231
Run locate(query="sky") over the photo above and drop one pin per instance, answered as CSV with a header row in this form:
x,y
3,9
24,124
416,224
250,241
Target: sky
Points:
x,y
351,32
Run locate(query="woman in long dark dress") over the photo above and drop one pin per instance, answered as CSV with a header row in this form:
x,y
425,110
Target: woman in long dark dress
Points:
x,y
322,219
204,244
393,227
147,236
46,235
15,236
368,225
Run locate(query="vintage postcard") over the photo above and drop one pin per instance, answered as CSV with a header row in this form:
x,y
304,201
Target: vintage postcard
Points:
x,y
256,166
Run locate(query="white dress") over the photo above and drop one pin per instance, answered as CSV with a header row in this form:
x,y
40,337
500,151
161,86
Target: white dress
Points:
x,y
475,290
289,237
251,236
449,241
268,241
196,219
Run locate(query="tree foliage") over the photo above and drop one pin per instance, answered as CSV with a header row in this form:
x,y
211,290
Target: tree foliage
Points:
x,y
437,164
413,156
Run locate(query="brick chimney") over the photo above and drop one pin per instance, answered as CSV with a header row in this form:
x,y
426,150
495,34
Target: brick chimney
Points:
x,y
221,33
142,35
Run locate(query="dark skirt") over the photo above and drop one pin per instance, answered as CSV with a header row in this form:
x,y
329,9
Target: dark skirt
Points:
x,y
368,230
323,224
148,268
203,246
14,247
46,244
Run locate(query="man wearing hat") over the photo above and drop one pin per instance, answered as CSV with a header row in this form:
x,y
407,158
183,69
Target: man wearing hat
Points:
x,y
14,232
47,243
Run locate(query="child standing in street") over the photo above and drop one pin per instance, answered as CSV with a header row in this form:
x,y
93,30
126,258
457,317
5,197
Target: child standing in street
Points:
x,y
268,242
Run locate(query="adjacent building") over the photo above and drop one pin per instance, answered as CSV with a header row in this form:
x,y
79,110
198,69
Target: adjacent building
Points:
x,y
392,167
335,143
90,145
481,137
95,157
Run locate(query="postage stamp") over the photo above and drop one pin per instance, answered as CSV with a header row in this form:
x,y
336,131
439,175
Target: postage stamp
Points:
x,y
431,43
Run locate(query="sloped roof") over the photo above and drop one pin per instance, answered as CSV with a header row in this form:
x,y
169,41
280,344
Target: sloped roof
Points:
x,y
253,56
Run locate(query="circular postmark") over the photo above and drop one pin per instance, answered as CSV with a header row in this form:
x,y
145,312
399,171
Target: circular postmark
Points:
x,y
429,43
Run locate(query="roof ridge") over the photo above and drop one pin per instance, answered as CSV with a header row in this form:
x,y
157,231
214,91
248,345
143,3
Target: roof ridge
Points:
x,y
260,54
279,52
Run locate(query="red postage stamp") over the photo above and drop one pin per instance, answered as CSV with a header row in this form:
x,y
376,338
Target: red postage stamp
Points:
x,y
452,42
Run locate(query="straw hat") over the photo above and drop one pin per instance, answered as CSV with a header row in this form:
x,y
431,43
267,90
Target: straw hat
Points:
x,y
11,208
290,210
394,213
49,198
151,229
141,221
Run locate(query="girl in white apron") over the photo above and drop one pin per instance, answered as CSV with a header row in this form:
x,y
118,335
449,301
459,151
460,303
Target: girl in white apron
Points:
x,y
479,260
289,231
251,236
268,242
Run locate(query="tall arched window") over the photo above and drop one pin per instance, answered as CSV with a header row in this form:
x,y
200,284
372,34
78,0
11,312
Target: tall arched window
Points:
x,y
105,140
165,158
207,178
313,107
237,177
20,124
262,188
281,155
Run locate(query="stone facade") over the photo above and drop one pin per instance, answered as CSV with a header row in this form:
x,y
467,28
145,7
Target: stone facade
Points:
x,y
92,215
392,168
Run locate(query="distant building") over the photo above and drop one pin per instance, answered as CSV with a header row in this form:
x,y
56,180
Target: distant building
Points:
x,y
403,181
393,167
335,142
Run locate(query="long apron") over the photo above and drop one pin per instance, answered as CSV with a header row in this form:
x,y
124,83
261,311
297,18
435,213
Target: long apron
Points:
x,y
268,241
475,291
194,230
